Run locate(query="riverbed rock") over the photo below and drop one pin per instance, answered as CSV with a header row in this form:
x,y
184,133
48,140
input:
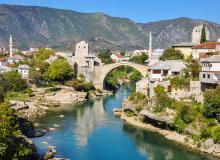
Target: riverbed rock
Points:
x,y
166,118
217,148
36,132
208,145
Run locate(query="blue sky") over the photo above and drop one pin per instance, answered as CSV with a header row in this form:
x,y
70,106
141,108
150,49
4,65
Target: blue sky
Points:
x,y
137,10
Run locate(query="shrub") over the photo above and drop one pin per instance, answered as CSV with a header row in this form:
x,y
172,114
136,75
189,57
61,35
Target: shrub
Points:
x,y
172,54
162,100
130,114
179,125
179,82
81,86
13,82
212,103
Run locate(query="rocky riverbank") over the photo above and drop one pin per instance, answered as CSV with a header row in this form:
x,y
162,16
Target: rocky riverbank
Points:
x,y
206,147
44,99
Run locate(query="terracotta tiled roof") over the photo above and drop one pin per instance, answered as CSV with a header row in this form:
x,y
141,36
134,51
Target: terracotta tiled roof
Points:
x,y
2,59
119,56
207,45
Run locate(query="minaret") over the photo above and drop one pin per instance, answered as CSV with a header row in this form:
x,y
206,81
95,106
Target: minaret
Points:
x,y
10,45
150,45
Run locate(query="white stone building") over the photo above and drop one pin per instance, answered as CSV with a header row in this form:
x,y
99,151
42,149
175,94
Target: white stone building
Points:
x,y
24,71
164,69
196,34
210,74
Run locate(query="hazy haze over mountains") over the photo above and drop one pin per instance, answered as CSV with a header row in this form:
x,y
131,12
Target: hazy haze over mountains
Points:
x,y
48,27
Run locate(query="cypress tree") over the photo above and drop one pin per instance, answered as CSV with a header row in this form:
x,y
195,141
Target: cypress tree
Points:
x,y
203,35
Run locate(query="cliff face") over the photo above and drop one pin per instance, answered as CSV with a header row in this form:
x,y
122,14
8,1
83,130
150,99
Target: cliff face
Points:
x,y
39,26
47,27
168,32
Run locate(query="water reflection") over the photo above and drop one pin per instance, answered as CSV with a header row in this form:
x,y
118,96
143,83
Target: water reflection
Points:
x,y
158,148
92,117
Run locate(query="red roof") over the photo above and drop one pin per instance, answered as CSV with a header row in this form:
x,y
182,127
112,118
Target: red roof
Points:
x,y
2,59
119,56
207,45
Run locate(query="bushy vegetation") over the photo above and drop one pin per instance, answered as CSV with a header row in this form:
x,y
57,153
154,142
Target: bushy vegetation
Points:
x,y
139,100
162,100
172,54
105,57
12,145
59,71
140,59
192,69
179,82
212,103
44,54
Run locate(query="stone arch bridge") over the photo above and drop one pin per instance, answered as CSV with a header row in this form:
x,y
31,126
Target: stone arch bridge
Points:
x,y
100,72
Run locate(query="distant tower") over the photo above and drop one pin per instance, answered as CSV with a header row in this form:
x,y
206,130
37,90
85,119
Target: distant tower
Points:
x,y
10,45
150,45
196,34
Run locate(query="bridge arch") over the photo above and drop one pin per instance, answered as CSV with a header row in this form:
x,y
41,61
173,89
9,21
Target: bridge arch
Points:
x,y
101,72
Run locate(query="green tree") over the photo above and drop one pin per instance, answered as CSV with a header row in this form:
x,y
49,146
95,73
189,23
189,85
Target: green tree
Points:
x,y
172,54
59,71
105,57
139,59
44,54
162,100
212,103
203,35
12,145
192,69
13,82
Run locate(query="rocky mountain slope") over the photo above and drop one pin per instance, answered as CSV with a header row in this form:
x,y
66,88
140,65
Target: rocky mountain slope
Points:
x,y
47,27
168,32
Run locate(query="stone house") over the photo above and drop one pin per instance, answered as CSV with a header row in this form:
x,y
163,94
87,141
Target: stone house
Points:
x,y
165,69
203,50
24,71
210,74
185,48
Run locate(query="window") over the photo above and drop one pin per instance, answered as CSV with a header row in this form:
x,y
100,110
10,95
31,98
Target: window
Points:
x,y
203,75
156,71
208,75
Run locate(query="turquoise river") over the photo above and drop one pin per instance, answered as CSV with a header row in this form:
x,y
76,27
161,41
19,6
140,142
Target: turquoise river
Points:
x,y
89,131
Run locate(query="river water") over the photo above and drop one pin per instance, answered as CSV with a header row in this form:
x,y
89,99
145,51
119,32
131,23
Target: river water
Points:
x,y
89,131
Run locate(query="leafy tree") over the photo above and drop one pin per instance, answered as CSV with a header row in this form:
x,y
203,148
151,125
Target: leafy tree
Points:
x,y
135,76
178,82
13,82
139,59
105,57
59,71
12,145
212,103
172,54
203,35
162,100
192,69
44,54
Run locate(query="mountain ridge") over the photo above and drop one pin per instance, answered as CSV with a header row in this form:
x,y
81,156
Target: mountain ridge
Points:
x,y
34,26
